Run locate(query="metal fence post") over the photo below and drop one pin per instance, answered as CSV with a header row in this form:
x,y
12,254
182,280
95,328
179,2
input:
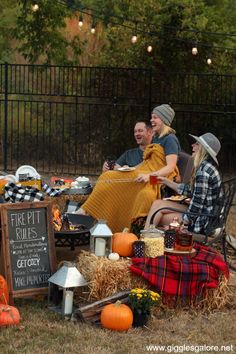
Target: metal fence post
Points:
x,y
5,118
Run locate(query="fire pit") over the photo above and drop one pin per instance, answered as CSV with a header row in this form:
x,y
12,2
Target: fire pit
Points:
x,y
71,230
72,238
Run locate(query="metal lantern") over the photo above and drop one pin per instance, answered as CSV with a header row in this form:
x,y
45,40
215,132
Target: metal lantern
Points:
x,y
61,288
101,239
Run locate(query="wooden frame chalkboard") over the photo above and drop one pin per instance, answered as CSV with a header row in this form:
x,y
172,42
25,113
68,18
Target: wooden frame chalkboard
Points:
x,y
27,247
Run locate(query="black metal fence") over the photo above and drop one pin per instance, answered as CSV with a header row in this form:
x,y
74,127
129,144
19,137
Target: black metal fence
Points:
x,y
66,120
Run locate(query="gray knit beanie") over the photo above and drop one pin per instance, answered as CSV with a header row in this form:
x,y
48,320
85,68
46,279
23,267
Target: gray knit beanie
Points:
x,y
165,112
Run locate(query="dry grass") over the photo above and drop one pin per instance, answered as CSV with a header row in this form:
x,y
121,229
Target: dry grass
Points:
x,y
42,331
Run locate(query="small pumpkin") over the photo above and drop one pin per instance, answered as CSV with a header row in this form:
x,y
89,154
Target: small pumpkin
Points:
x,y
114,256
9,315
118,317
122,243
4,292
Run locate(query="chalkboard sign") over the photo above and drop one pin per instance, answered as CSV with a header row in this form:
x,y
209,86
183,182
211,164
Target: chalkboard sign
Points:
x,y
28,248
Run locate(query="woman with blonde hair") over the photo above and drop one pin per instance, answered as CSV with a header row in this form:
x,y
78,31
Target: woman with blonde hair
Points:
x,y
204,188
121,197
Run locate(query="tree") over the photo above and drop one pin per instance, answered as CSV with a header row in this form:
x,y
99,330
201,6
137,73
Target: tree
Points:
x,y
40,33
9,13
174,25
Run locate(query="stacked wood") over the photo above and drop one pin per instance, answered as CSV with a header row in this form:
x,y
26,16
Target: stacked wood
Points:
x,y
91,313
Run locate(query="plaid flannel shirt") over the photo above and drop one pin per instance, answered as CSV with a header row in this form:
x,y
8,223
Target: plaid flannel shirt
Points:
x,y
182,276
203,196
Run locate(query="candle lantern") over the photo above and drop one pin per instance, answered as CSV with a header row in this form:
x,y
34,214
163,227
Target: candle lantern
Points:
x,y
101,239
61,288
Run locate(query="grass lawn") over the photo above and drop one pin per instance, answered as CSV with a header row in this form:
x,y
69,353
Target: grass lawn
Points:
x,y
42,331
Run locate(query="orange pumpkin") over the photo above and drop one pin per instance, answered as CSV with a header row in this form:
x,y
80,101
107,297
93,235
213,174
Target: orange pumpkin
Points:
x,y
122,243
4,292
9,315
118,317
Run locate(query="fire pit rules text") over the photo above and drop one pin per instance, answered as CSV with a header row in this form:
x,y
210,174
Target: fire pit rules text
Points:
x,y
28,240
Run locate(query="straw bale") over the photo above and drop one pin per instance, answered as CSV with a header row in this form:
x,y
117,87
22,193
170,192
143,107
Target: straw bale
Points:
x,y
215,299
106,277
210,300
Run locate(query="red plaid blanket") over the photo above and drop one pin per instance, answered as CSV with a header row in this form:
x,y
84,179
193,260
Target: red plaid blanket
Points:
x,y
180,275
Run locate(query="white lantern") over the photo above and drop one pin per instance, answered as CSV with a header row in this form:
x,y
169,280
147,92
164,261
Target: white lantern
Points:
x,y
61,289
101,239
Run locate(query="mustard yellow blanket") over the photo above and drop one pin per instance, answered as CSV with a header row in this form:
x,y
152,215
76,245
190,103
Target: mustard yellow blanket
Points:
x,y
119,199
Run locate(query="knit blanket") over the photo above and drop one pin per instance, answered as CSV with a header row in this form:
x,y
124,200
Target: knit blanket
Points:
x,y
119,199
182,275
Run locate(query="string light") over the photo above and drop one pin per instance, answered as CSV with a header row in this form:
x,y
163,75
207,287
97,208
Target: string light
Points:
x,y
194,49
80,23
149,49
135,36
93,30
134,39
209,61
35,7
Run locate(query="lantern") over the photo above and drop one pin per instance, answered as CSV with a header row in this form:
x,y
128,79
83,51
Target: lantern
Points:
x,y
101,239
61,288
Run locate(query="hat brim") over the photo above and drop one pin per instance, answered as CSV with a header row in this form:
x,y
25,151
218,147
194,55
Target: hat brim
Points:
x,y
206,146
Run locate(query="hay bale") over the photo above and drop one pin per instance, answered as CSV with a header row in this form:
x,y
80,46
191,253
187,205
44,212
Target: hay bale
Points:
x,y
106,277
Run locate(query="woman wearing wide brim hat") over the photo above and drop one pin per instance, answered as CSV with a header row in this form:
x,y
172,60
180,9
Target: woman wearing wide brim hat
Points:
x,y
204,188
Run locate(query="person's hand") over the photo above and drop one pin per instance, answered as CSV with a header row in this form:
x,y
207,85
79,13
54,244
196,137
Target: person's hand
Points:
x,y
162,180
143,178
105,167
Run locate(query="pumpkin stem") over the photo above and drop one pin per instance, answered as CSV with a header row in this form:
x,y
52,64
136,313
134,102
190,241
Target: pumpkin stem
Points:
x,y
126,229
117,303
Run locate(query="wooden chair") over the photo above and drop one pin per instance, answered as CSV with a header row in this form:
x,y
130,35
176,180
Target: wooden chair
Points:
x,y
216,228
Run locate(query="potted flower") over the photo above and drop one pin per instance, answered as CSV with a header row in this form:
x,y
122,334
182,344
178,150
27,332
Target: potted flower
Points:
x,y
141,301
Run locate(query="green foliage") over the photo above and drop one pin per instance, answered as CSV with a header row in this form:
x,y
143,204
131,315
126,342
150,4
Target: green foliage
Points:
x,y
168,21
41,33
174,25
9,12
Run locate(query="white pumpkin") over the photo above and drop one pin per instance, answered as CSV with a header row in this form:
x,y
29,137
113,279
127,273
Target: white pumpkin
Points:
x,y
113,256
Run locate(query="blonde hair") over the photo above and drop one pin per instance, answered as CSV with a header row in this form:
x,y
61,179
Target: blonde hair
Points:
x,y
200,156
166,131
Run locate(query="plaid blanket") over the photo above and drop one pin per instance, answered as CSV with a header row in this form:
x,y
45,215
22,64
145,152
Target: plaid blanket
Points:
x,y
180,275
17,193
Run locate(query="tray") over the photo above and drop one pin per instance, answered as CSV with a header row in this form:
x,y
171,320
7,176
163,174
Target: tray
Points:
x,y
125,169
181,253
176,198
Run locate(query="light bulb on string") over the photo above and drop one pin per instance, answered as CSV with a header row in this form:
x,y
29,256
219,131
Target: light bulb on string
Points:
x,y
80,23
134,36
194,50
209,61
134,39
149,49
93,30
35,7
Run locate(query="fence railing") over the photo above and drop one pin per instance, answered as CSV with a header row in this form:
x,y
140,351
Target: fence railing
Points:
x,y
66,120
